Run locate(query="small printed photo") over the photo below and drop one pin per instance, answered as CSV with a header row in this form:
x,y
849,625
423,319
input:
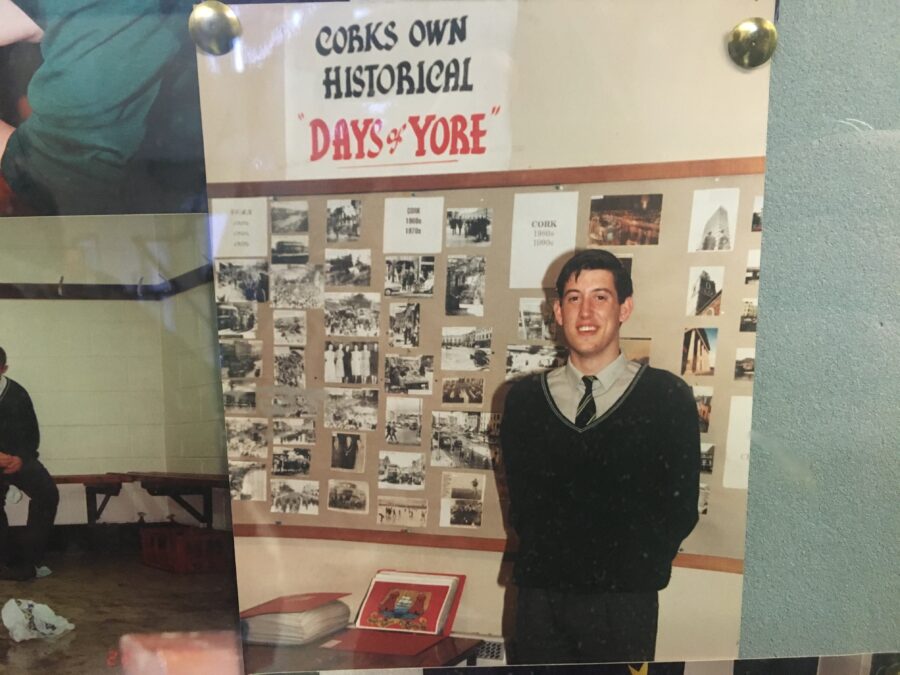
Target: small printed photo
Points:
x,y
460,513
351,362
247,481
403,420
289,327
703,397
624,220
698,351
291,402
294,431
239,396
289,367
465,285
524,359
536,320
401,470
291,462
237,319
703,499
707,453
744,363
348,452
352,314
351,496
348,267
298,287
469,486
704,297
463,440
342,222
295,496
469,227
351,409
636,349
713,219
752,274
402,511
409,275
756,220
240,358
245,437
290,249
242,281
464,390
465,348
289,217
409,374
749,315
403,327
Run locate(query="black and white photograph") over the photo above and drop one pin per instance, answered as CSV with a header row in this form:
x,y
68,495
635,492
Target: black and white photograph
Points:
x,y
704,296
624,220
751,276
756,220
463,390
294,431
401,470
636,349
469,227
351,409
465,285
402,511
352,314
289,327
351,496
289,217
703,499
247,481
342,222
703,397
409,374
298,287
744,363
289,367
524,359
348,267
749,315
290,249
239,396
462,497
707,454
245,437
713,219
291,462
295,496
348,452
536,319
403,328
462,440
409,276
465,348
292,402
240,358
236,319
698,351
351,362
242,280
403,417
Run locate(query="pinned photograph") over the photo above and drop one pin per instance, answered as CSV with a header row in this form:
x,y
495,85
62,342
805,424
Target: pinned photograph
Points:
x,y
247,481
462,440
698,351
465,348
756,220
402,511
351,362
352,409
239,396
236,319
290,249
713,219
703,397
295,496
348,452
704,296
409,275
240,358
524,359
352,314
343,218
348,267
707,454
289,367
463,390
403,328
469,227
751,276
737,443
465,285
403,420
246,437
749,315
350,496
401,470
536,319
744,363
291,402
624,220
291,431
462,498
242,280
289,217
291,462
703,499
298,287
636,349
409,374
289,327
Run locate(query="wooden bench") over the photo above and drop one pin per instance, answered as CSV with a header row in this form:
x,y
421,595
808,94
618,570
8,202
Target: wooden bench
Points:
x,y
95,485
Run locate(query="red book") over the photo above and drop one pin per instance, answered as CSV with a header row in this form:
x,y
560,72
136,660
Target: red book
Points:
x,y
289,604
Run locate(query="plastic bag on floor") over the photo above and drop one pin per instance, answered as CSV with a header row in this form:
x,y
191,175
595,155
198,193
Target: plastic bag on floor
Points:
x,y
27,620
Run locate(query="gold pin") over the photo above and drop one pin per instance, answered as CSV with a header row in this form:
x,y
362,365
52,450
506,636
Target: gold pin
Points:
x,y
214,27
752,42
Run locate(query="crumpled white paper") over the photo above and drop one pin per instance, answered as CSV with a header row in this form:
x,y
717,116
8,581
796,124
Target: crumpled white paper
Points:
x,y
28,620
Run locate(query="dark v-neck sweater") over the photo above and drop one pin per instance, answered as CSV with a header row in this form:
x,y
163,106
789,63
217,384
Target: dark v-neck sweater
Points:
x,y
19,433
606,507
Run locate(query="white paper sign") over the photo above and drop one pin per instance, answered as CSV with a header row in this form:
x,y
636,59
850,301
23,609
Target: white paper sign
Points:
x,y
737,446
413,224
238,228
544,226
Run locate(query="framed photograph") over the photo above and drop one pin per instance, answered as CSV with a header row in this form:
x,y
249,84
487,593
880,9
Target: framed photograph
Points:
x,y
751,276
704,297
402,511
703,397
246,437
756,219
465,348
239,396
294,430
289,327
242,281
351,409
292,402
463,390
409,374
403,328
352,314
236,319
348,452
290,369
749,315
399,470
410,276
403,425
350,496
524,359
744,363
348,267
291,462
290,249
465,285
295,496
288,216
240,358
247,481
463,439
624,220
342,222
469,227
298,286
536,320
698,351
713,219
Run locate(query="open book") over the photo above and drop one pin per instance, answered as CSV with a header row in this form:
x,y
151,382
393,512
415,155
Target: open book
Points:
x,y
410,602
295,619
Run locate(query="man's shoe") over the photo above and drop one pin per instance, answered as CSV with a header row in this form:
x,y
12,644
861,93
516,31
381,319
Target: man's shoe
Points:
x,y
16,572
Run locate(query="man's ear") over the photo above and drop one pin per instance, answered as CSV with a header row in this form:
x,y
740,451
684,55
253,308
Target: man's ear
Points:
x,y
557,312
625,309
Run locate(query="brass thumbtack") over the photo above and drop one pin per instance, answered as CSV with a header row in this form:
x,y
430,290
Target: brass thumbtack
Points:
x,y
214,27
752,42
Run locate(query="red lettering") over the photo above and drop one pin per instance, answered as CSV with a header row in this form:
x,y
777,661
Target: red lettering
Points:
x,y
375,136
477,134
441,126
419,131
321,139
360,135
341,142
459,142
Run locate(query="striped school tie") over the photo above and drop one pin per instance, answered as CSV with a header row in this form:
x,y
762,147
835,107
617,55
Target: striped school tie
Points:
x,y
586,406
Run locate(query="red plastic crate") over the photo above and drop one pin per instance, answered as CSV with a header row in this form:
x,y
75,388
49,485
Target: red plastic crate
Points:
x,y
186,550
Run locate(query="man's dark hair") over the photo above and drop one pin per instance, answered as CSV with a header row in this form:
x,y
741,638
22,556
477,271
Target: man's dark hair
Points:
x,y
596,259
2,357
